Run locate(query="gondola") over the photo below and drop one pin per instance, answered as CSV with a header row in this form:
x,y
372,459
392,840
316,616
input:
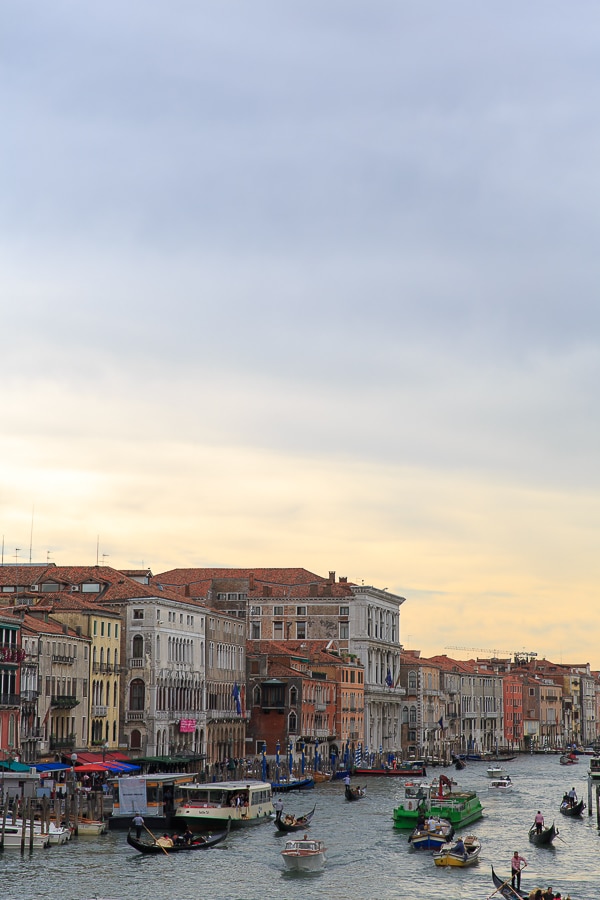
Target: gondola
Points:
x,y
544,838
356,793
575,810
504,888
199,843
295,824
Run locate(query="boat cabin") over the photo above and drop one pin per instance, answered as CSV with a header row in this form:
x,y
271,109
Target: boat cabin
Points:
x,y
241,802
152,796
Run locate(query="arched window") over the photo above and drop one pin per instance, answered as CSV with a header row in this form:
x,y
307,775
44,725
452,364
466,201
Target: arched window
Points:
x,y
292,723
412,681
293,696
138,646
137,694
405,715
135,740
413,715
256,696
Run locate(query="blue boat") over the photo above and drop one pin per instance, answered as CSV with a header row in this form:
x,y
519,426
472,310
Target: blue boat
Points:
x,y
293,784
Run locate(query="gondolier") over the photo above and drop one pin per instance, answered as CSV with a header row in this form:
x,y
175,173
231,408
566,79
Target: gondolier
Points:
x,y
278,807
517,863
138,824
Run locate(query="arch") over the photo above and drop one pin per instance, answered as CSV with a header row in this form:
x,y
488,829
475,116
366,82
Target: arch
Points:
x,y
293,696
135,739
138,646
137,694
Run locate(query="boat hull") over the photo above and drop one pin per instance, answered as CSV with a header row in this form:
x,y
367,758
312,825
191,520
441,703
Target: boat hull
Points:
x,y
304,856
156,849
545,837
459,809
448,857
572,811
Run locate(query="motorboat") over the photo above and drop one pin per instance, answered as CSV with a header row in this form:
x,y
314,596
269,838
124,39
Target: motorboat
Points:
x,y
85,827
12,838
459,807
432,836
496,772
459,853
501,785
304,855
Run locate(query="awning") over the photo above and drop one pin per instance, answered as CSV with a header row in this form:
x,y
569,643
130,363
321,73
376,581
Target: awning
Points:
x,y
87,768
108,756
51,767
14,766
120,767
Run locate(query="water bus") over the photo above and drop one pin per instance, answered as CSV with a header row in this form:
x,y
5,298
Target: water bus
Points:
x,y
152,796
214,805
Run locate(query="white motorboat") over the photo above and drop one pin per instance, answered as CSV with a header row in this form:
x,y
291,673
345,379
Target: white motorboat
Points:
x,y
13,837
304,855
501,785
496,772
56,834
91,826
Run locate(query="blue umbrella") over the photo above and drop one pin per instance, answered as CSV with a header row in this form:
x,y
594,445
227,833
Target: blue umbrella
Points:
x,y
264,761
316,756
277,749
302,759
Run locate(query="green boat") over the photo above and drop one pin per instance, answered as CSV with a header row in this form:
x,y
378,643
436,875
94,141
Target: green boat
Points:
x,y
458,807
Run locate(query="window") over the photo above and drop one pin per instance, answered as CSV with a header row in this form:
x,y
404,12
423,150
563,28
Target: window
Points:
x,y
101,629
90,587
138,646
292,723
255,610
137,694
277,631
301,631
344,631
412,681
138,614
344,610
300,610
116,630
293,696
254,631
108,629
278,610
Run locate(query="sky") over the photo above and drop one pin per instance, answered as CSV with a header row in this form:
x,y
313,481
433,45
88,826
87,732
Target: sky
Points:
x,y
310,284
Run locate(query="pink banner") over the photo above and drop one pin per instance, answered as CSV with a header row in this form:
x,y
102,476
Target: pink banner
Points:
x,y
187,725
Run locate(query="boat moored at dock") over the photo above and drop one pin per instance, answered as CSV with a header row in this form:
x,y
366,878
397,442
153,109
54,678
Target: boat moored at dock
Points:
x,y
209,805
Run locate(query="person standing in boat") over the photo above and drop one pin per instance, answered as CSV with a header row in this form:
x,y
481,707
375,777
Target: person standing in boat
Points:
x,y
138,824
347,780
539,822
278,807
517,864
572,795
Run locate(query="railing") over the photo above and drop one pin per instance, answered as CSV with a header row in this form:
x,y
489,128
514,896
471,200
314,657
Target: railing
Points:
x,y
28,696
99,710
62,743
10,653
136,662
10,700
212,714
320,707
64,701
66,660
135,715
107,668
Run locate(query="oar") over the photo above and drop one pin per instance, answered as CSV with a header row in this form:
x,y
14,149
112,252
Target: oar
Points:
x,y
509,886
155,840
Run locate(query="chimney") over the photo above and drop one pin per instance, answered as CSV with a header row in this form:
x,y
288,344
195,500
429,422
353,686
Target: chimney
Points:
x,y
251,581
343,579
186,591
65,629
331,578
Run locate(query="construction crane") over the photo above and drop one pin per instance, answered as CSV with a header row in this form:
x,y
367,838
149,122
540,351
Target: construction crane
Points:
x,y
522,654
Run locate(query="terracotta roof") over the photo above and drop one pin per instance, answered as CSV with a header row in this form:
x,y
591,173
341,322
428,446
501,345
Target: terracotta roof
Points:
x,y
38,625
280,581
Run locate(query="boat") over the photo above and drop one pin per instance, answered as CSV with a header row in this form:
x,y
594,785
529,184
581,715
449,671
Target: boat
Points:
x,y
594,769
569,759
304,855
504,888
293,784
496,772
293,823
452,855
433,836
573,810
544,837
501,785
459,807
12,838
458,763
406,769
161,847
355,793
151,796
56,834
214,804
322,777
85,827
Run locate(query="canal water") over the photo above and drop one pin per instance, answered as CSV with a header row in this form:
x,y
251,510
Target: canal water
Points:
x,y
367,859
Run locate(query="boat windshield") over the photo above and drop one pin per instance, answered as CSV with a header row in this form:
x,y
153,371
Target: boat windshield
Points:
x,y
413,791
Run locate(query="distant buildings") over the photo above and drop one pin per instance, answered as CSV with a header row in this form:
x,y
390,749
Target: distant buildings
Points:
x,y
213,665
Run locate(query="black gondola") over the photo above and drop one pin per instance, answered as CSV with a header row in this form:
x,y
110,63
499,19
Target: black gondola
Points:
x,y
544,837
294,824
575,810
504,888
200,842
356,793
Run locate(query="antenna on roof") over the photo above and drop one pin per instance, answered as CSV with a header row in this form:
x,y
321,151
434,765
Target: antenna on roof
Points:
x,y
97,547
104,557
31,534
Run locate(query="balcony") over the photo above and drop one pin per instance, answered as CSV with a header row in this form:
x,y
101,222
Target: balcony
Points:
x,y
320,707
10,653
65,701
136,662
10,700
64,743
135,715
29,696
213,715
63,660
99,711
107,668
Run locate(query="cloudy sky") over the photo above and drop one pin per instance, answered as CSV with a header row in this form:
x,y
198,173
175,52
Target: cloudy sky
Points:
x,y
310,284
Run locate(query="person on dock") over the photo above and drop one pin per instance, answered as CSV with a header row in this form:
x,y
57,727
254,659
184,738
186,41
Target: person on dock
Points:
x,y
539,822
138,824
517,864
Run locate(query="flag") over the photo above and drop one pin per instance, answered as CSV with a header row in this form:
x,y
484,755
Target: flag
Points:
x,y
388,679
441,722
235,693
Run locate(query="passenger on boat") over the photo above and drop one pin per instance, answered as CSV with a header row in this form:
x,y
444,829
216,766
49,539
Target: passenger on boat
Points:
x,y
188,836
165,841
548,894
420,820
460,849
572,797
539,822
